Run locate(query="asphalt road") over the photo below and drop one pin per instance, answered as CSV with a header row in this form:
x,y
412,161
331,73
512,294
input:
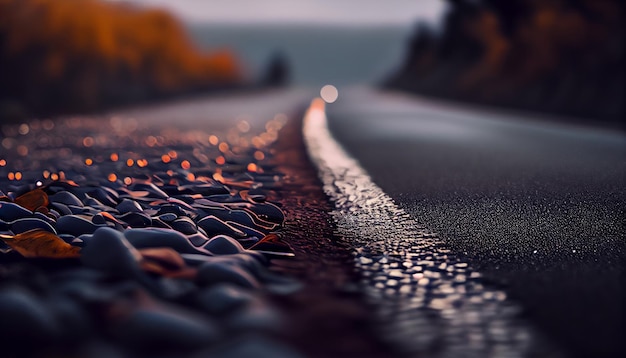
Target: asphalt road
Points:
x,y
536,206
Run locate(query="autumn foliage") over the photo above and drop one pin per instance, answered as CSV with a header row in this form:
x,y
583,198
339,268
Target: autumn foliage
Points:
x,y
59,55
561,56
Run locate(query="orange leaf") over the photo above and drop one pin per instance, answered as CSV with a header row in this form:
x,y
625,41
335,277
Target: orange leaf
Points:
x,y
41,243
272,244
33,199
166,262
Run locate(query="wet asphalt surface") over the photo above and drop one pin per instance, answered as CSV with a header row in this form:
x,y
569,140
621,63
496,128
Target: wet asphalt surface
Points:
x,y
536,206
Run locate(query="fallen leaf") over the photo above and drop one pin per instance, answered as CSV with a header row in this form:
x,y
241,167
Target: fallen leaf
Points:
x,y
41,243
33,199
272,244
166,262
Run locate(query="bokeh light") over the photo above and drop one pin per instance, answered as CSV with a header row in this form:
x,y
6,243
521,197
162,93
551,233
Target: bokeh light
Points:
x,y
329,93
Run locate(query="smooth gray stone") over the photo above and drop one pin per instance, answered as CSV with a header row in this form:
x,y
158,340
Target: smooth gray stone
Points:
x,y
105,197
25,319
161,329
153,237
167,217
221,272
109,251
170,208
268,212
67,198
197,239
61,208
223,298
11,212
215,226
44,217
135,219
184,225
223,245
129,206
75,225
22,225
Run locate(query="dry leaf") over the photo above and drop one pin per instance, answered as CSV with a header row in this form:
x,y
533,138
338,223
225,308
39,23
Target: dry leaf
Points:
x,y
166,262
272,244
33,199
41,243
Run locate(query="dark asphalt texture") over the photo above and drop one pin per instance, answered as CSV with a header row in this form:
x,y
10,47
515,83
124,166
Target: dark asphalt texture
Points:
x,y
536,206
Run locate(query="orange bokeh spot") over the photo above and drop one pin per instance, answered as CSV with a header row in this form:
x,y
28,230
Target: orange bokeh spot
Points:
x,y
112,177
46,174
165,158
213,139
142,163
3,162
258,155
88,161
223,147
185,164
128,181
88,141
54,176
172,154
114,157
18,176
252,167
11,176
130,162
191,177
220,160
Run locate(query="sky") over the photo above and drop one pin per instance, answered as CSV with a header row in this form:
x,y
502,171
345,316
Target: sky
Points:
x,y
344,12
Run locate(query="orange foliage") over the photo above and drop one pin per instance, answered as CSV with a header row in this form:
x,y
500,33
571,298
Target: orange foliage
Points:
x,y
93,49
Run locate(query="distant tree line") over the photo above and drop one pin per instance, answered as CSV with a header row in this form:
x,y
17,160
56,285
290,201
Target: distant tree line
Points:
x,y
81,55
558,56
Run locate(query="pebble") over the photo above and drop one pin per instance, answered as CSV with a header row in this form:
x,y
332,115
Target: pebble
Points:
x,y
215,272
25,320
75,225
223,298
223,245
158,329
152,237
109,251
12,212
112,210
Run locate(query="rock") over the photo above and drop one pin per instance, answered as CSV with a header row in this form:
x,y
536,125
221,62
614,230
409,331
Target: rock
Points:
x,y
12,212
109,251
184,225
75,225
223,245
128,206
222,298
67,198
220,272
250,346
167,217
22,225
26,321
150,237
135,219
164,330
214,226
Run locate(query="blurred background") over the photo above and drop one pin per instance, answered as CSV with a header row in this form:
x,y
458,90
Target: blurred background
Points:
x,y
557,56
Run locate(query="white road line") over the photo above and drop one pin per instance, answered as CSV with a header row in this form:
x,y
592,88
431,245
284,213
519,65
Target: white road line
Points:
x,y
428,302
